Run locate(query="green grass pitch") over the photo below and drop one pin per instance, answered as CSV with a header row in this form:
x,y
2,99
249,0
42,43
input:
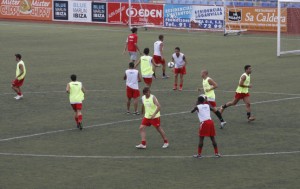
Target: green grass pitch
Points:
x,y
104,155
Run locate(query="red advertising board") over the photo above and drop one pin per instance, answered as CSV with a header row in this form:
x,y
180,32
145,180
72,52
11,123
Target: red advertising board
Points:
x,y
140,13
26,9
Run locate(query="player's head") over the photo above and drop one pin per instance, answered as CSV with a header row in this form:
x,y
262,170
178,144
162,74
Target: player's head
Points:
x,y
161,37
201,99
177,50
146,51
73,77
204,74
134,30
248,69
18,57
131,65
146,91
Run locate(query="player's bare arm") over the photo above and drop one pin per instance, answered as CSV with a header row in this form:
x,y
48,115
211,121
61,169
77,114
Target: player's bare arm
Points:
x,y
125,77
195,109
143,110
137,47
136,64
125,48
68,88
153,63
242,81
139,77
185,61
213,84
161,46
21,67
155,101
83,89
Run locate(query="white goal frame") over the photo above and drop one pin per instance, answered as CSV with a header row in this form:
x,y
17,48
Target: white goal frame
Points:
x,y
279,52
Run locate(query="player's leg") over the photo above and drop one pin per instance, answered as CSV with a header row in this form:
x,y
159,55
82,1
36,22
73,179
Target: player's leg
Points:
x,y
214,143
142,145
175,81
228,104
181,82
165,76
163,135
248,108
219,115
79,118
200,146
135,103
128,105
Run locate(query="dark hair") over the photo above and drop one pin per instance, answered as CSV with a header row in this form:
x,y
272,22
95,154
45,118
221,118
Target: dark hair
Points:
x,y
246,67
131,65
201,99
177,48
145,90
146,51
134,30
73,77
18,56
160,37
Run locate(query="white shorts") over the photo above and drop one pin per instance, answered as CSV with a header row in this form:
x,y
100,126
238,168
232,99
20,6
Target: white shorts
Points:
x,y
133,55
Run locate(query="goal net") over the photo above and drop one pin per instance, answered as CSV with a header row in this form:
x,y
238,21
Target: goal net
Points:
x,y
288,28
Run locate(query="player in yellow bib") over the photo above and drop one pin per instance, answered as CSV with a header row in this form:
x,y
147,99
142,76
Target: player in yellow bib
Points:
x,y
209,86
151,111
242,92
20,76
76,93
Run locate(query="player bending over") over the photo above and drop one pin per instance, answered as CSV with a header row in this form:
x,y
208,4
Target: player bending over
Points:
x,y
208,86
242,92
207,128
151,111
76,95
132,77
20,76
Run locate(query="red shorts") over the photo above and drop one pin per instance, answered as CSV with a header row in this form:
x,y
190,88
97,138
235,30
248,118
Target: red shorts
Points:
x,y
180,70
148,80
212,104
241,95
132,93
148,122
158,60
207,129
17,83
76,106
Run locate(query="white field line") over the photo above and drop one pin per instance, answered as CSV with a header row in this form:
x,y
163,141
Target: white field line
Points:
x,y
154,90
128,120
143,157
106,28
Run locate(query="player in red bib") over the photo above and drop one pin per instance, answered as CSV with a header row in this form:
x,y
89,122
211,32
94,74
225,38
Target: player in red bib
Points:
x,y
207,127
158,56
132,77
131,45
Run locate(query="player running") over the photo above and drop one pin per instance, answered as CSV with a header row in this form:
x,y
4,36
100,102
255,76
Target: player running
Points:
x,y
180,62
242,92
131,45
147,63
20,76
158,56
151,111
207,128
208,86
132,77
76,93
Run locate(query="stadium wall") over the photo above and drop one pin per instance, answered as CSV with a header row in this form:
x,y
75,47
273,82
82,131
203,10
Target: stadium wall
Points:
x,y
160,15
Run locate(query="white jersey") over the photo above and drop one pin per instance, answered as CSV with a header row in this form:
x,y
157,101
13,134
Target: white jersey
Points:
x,y
132,78
203,112
179,62
157,48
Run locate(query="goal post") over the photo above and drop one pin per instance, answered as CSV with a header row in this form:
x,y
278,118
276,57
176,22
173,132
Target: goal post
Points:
x,y
288,39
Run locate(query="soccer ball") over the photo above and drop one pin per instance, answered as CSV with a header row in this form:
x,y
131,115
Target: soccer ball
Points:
x,y
171,64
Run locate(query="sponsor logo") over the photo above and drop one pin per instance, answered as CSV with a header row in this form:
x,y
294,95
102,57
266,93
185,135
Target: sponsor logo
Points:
x,y
235,15
154,13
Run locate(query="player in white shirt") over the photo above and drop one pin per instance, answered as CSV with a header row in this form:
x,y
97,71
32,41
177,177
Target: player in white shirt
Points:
x,y
132,77
158,56
180,62
207,127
